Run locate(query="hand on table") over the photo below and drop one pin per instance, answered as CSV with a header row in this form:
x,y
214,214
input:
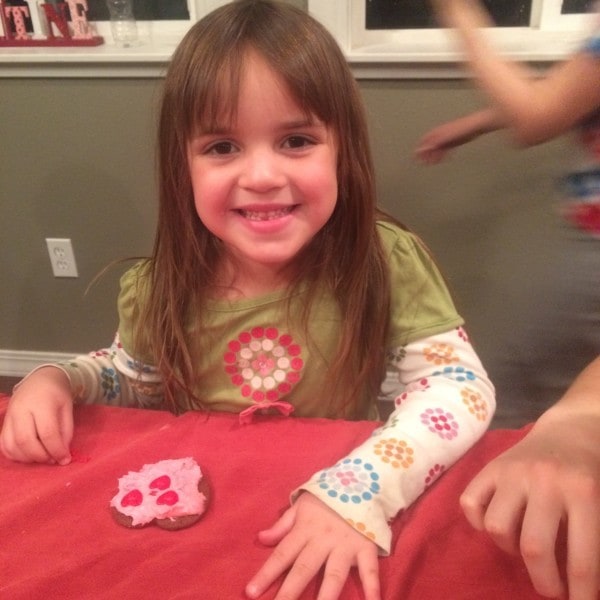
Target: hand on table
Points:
x,y
38,425
307,537
524,498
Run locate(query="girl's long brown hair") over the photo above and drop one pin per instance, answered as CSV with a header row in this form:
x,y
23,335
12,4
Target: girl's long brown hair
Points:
x,y
345,257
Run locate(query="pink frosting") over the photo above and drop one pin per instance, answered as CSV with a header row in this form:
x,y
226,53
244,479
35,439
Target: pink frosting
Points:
x,y
166,489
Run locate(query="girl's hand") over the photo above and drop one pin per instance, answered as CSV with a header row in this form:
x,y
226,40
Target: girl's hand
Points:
x,y
309,536
38,425
434,145
526,496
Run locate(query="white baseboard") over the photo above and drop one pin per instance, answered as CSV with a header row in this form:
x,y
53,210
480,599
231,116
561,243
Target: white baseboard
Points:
x,y
17,363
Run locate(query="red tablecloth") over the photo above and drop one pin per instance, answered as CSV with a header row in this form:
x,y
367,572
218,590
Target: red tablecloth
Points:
x,y
58,539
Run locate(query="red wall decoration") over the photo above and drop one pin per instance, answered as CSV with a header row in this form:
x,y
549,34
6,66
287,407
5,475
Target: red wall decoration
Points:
x,y
63,24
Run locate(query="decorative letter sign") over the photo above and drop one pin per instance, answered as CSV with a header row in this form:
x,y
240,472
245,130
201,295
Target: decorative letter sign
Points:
x,y
56,30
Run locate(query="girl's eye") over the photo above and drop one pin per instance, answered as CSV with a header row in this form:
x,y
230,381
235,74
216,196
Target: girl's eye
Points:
x,y
297,141
221,148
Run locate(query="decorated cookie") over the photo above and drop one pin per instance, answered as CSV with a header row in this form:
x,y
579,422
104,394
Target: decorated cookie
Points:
x,y
172,494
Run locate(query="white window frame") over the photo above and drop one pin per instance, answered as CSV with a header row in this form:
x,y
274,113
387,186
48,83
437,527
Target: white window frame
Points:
x,y
430,53
380,54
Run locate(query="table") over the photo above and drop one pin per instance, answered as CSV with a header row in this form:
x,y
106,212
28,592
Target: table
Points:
x,y
59,540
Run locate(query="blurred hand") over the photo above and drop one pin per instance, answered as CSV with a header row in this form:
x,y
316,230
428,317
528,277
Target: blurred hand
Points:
x,y
435,145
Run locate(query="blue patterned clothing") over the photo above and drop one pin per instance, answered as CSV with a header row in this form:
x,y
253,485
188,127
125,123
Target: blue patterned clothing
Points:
x,y
581,188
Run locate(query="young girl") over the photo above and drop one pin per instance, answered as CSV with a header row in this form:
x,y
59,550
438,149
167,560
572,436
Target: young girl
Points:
x,y
277,286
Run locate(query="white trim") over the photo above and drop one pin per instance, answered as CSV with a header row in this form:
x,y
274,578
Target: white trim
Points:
x,y
425,53
550,17
17,363
396,54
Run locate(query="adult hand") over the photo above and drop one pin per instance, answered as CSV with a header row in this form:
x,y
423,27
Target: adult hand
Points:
x,y
547,482
38,425
310,536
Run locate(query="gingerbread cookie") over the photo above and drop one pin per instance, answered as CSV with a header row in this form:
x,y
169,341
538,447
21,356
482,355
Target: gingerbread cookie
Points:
x,y
172,494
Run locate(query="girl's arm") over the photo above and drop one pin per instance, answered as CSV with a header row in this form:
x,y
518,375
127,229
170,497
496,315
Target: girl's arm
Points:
x,y
434,146
534,109
341,521
38,426
111,376
447,405
549,478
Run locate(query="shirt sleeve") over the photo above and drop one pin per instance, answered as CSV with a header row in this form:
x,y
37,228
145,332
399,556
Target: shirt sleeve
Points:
x,y
111,376
446,406
421,304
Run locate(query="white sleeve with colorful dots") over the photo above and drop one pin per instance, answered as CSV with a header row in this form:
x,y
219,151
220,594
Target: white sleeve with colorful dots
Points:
x,y
111,376
446,405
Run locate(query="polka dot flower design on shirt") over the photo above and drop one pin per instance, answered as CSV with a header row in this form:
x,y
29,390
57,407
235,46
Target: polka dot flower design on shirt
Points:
x,y
396,453
350,481
264,363
434,474
440,422
475,403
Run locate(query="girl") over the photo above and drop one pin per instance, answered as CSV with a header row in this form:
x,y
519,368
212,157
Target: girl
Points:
x,y
277,286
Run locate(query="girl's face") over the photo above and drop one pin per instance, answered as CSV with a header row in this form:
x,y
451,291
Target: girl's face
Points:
x,y
266,183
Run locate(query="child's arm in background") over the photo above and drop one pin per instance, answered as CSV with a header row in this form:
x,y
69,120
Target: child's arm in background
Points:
x,y
434,146
548,480
38,426
534,109
447,406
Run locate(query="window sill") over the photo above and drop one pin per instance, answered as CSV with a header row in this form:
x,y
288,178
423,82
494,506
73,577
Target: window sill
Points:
x,y
148,59
423,60
394,60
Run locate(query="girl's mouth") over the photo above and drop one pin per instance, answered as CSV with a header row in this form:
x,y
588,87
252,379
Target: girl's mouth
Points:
x,y
265,215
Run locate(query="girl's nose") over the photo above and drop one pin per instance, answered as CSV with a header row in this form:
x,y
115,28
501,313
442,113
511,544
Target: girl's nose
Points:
x,y
262,171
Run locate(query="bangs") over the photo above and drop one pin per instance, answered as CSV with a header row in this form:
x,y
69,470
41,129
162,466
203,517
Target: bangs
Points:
x,y
207,67
212,107
212,97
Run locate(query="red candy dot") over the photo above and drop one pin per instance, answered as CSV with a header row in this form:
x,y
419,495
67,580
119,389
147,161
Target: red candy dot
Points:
x,y
169,498
161,483
132,498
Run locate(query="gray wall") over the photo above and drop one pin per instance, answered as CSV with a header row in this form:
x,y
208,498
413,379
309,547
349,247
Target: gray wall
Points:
x,y
76,160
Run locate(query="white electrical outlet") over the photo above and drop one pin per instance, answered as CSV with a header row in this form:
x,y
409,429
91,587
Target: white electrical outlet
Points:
x,y
62,257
